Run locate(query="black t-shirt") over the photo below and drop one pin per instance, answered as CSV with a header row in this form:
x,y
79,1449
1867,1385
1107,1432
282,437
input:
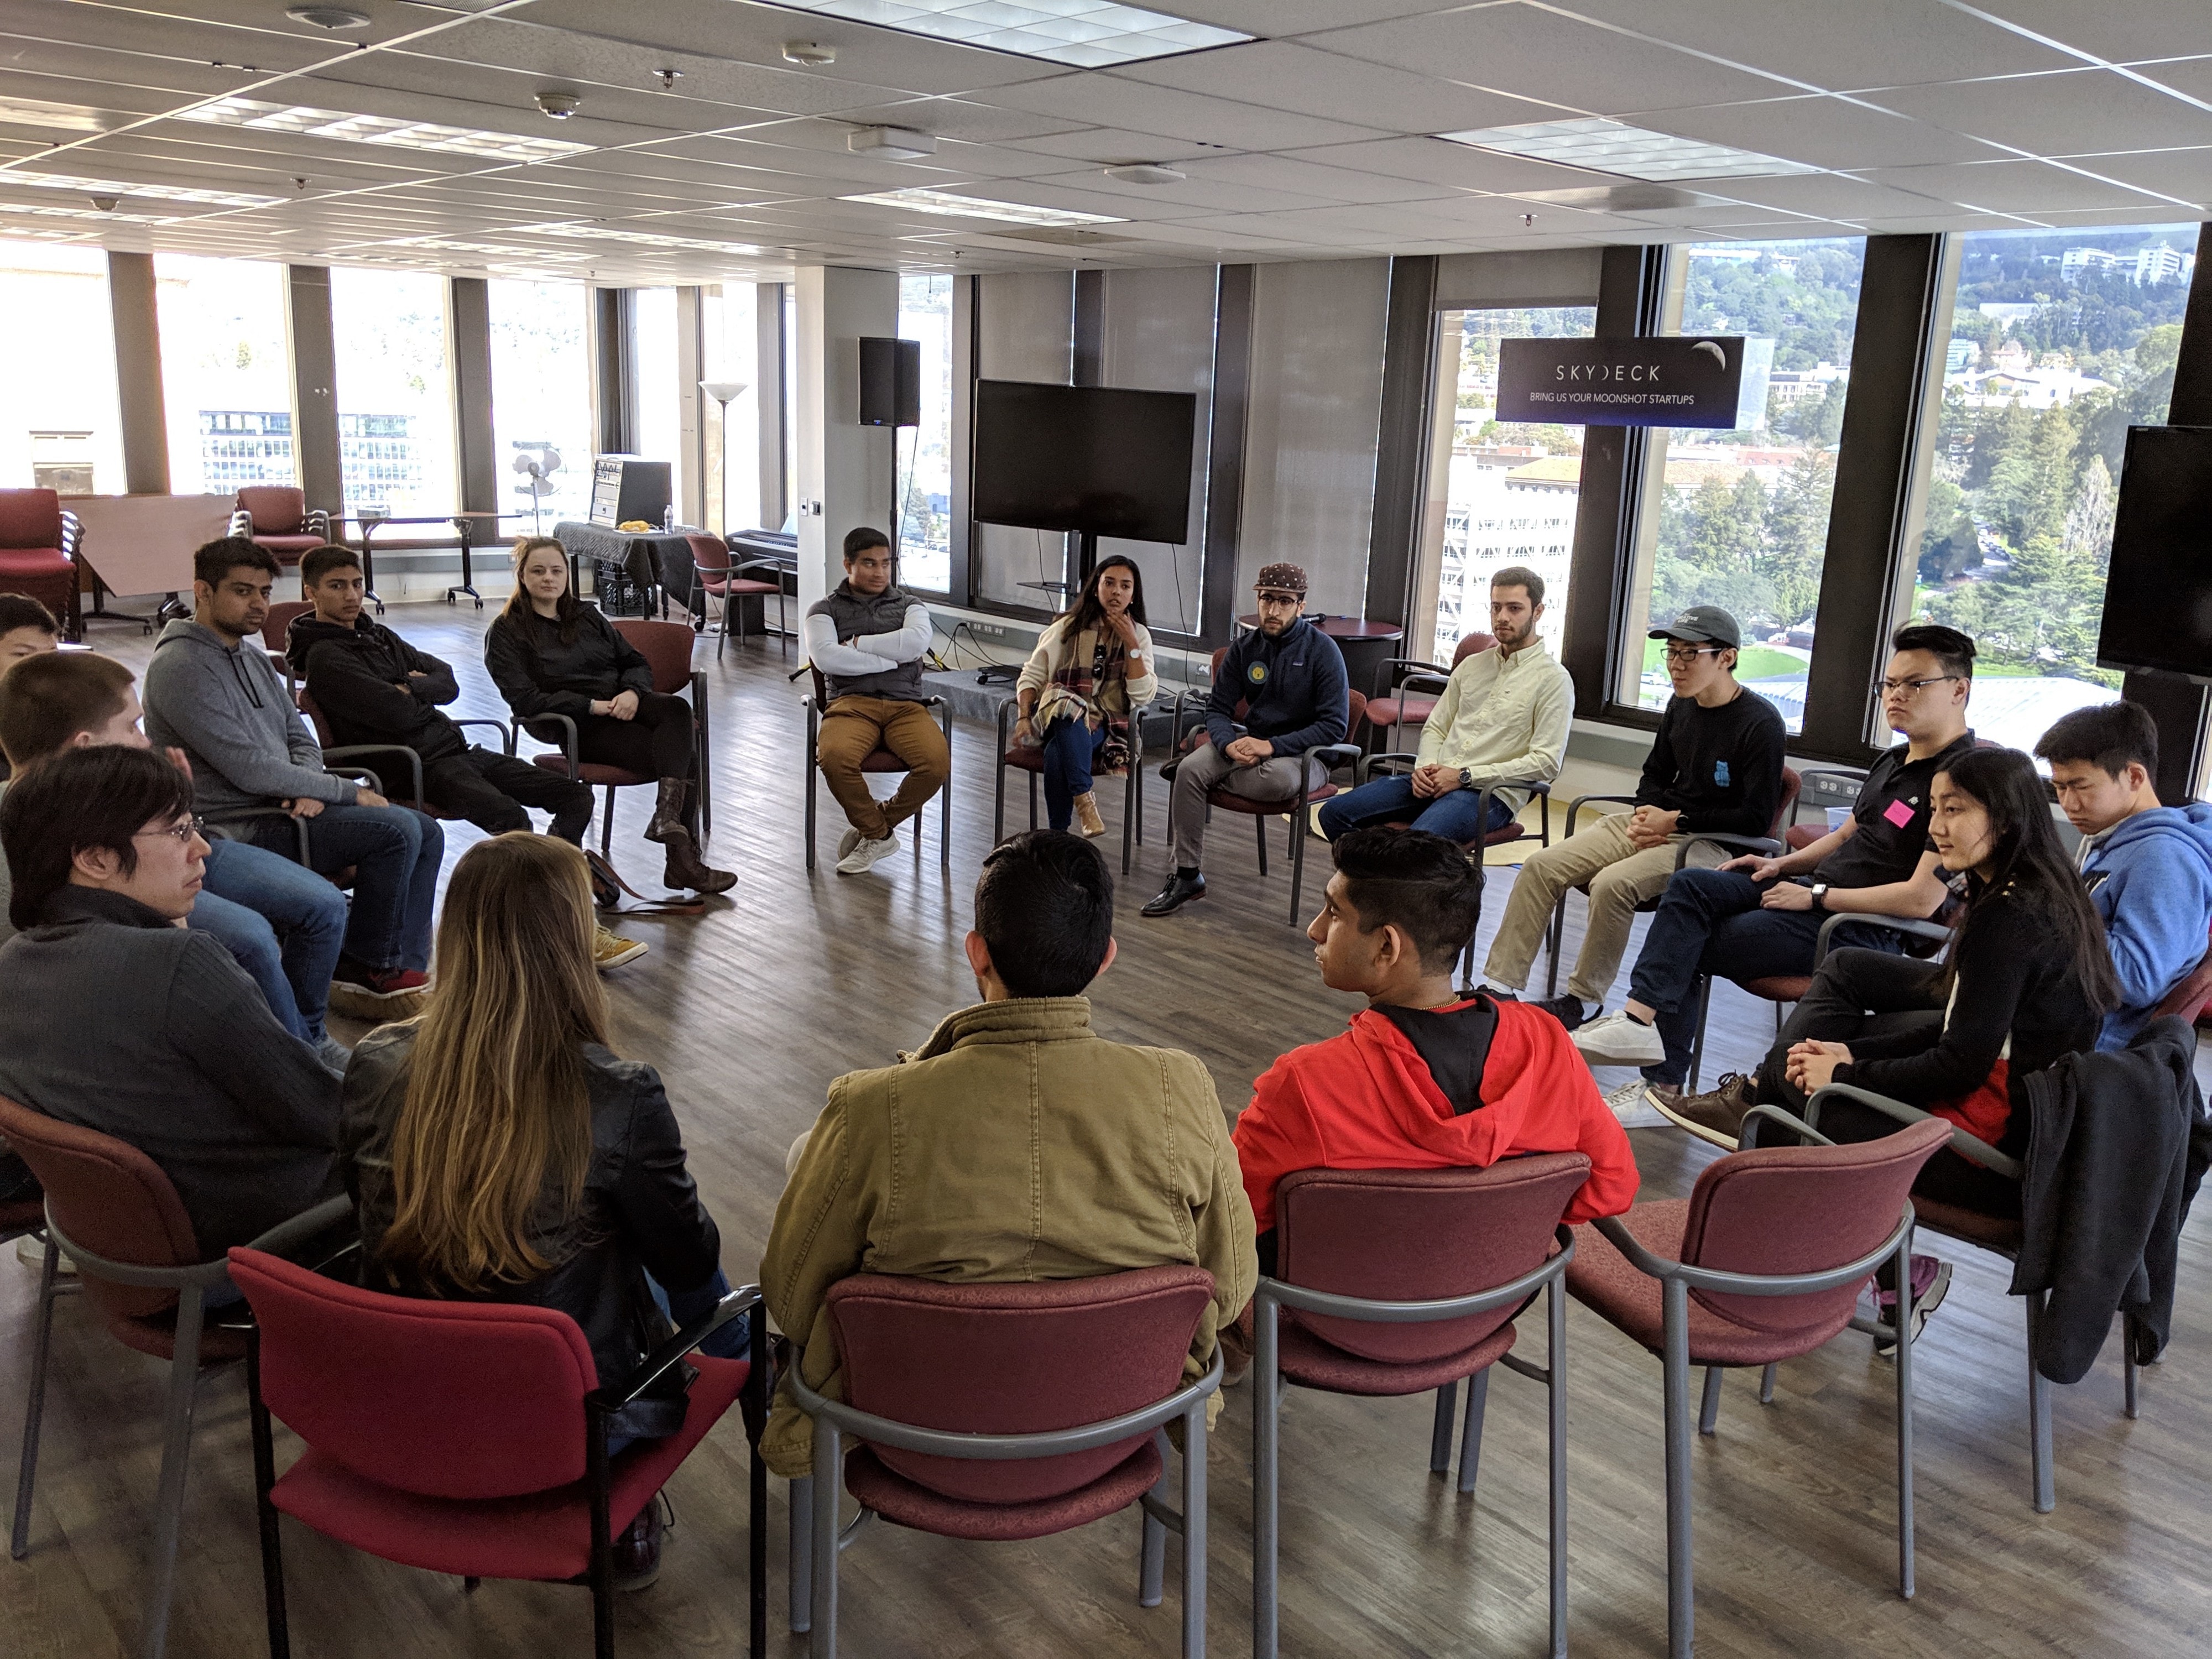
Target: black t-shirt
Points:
x,y
1721,768
1891,814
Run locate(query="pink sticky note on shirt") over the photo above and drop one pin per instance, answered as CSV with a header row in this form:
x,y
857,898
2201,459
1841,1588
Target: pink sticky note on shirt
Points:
x,y
1898,813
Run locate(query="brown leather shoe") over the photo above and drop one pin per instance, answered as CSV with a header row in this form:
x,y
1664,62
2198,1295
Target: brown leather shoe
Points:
x,y
1716,1117
1087,821
637,1548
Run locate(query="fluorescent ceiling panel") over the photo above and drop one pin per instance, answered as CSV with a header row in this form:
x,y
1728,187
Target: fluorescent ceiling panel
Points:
x,y
381,130
1080,34
919,200
118,187
636,237
1606,146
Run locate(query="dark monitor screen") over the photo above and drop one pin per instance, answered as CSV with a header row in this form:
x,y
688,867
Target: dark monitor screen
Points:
x,y
1097,459
2158,599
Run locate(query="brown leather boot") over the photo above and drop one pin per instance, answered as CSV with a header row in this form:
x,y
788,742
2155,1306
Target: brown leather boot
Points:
x,y
686,869
668,821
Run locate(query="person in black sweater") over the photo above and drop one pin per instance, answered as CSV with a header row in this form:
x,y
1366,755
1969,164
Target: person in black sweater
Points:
x,y
549,653
1715,768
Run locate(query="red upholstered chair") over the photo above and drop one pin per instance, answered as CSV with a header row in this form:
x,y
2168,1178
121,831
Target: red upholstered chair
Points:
x,y
468,1437
714,573
1397,1281
119,1219
1002,1411
1763,1262
394,757
880,759
1402,706
1799,837
667,647
275,634
2186,1000
37,553
278,517
1031,761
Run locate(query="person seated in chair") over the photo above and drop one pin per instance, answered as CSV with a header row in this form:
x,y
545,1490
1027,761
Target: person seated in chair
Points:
x,y
1504,716
1079,692
373,687
284,924
1015,1145
1716,766
2147,866
1291,677
551,653
548,1172
870,638
212,693
27,629
1425,1078
116,1016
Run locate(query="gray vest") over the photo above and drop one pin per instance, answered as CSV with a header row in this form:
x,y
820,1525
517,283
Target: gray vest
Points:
x,y
854,616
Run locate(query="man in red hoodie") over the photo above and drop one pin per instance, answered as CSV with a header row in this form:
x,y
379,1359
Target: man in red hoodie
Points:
x,y
1425,1078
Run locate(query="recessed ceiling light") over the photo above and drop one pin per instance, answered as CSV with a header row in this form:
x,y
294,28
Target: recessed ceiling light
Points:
x,y
159,192
381,130
1081,34
42,211
639,238
1147,172
1604,146
974,207
38,112
891,143
329,17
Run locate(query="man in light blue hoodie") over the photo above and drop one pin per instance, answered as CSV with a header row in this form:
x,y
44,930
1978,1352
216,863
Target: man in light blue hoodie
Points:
x,y
2148,866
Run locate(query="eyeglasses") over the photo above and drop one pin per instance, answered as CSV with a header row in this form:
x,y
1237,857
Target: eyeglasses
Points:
x,y
1685,655
1911,687
1293,600
183,832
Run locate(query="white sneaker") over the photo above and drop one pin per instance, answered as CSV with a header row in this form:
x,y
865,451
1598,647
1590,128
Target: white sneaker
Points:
x,y
1632,1109
864,854
846,843
1617,1040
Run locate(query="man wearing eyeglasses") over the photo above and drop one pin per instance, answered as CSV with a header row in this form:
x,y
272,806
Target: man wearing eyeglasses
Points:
x,y
1758,918
1715,768
1290,677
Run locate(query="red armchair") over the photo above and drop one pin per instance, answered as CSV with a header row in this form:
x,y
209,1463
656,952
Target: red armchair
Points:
x,y
278,517
37,553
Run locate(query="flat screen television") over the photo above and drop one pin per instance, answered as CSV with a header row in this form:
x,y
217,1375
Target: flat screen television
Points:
x,y
1097,458
2158,599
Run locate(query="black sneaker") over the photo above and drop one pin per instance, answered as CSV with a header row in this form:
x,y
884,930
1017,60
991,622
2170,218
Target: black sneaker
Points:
x,y
1177,893
1567,1009
1931,1283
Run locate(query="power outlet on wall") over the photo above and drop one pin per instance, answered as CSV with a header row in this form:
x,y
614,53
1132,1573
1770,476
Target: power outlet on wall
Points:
x,y
987,631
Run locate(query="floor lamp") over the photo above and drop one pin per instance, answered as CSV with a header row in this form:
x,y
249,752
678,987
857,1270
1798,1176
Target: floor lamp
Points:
x,y
722,392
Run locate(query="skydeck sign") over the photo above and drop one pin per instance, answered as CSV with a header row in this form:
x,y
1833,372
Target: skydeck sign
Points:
x,y
1646,381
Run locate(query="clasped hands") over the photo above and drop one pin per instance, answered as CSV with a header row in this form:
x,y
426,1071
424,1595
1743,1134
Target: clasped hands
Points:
x,y
1781,894
1432,781
1650,826
623,706
1811,1065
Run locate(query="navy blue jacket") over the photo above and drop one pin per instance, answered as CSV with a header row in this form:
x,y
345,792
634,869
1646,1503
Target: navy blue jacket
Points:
x,y
1295,687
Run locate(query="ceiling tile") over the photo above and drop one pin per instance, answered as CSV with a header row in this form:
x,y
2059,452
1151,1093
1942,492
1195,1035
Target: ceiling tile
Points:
x,y
1315,178
1436,162
1109,100
2013,187
1282,73
1825,131
2118,32
1284,17
1196,193
2191,76
1115,146
2069,113
2184,173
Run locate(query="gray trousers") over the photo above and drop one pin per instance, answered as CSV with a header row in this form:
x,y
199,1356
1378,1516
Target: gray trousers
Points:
x,y
1206,768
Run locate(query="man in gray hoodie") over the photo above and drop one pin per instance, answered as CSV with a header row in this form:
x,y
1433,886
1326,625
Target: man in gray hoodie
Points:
x,y
218,699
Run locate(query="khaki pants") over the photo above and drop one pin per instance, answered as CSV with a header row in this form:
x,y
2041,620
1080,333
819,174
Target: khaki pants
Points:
x,y
852,728
1619,877
1206,769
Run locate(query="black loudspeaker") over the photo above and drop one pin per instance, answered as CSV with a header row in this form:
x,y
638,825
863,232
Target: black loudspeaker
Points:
x,y
890,382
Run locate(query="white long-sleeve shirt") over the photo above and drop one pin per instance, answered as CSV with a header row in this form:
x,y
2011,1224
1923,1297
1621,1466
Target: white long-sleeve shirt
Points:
x,y
867,653
1503,717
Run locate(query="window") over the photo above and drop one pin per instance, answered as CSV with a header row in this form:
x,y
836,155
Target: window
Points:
x,y
226,373
730,323
395,393
59,428
1511,489
660,405
541,400
1741,519
925,470
2060,340
790,525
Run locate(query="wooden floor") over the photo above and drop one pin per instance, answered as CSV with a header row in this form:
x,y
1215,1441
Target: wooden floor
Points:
x,y
751,1010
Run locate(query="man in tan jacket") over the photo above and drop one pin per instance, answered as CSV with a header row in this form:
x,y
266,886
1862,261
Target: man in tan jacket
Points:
x,y
1016,1144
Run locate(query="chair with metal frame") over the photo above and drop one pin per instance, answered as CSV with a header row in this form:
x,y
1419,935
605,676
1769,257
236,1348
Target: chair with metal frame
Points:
x,y
715,575
880,759
470,1437
1799,837
1746,1272
117,1217
1408,1280
993,1366
1031,761
413,760
1399,708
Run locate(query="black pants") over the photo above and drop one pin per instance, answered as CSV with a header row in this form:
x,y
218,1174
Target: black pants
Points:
x,y
657,744
490,789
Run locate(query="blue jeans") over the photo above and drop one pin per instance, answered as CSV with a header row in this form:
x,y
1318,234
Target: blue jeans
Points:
x,y
1709,921
1392,801
284,924
1071,749
394,853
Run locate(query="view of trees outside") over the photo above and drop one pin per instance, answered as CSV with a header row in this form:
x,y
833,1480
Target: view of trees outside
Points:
x,y
395,392
226,372
730,321
60,427
2060,340
660,407
541,399
1743,515
924,471
1513,489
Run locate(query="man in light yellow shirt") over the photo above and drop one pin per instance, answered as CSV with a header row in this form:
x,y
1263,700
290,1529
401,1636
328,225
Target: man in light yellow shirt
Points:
x,y
1503,718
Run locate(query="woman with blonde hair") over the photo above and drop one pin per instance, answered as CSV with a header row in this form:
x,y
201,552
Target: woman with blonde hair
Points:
x,y
498,1150
551,653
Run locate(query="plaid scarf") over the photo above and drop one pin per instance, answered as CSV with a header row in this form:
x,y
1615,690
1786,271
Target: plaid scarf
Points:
x,y
1090,679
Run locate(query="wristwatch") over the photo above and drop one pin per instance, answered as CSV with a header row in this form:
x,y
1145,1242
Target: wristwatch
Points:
x,y
1820,896
1466,778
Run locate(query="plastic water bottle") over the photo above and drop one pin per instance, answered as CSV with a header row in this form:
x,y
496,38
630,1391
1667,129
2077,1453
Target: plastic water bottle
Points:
x,y
668,517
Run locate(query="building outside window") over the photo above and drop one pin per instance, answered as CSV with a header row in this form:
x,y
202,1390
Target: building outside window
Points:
x,y
2060,340
541,400
659,408
395,398
790,525
729,322
226,373
60,427
925,454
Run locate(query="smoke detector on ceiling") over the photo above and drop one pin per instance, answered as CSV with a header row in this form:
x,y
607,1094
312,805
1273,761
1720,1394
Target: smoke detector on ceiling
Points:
x,y
104,203
1147,173
329,17
560,102
891,143
812,53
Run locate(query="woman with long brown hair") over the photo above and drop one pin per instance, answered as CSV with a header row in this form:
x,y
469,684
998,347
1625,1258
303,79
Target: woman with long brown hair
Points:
x,y
498,1150
551,653
1091,670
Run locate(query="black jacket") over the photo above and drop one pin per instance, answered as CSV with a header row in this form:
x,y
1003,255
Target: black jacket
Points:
x,y
356,677
538,674
2114,1141
639,1214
